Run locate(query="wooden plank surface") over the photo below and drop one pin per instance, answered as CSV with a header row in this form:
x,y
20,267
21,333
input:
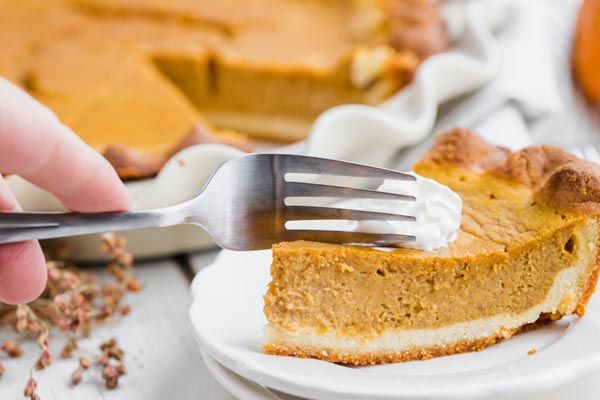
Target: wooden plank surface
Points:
x,y
162,357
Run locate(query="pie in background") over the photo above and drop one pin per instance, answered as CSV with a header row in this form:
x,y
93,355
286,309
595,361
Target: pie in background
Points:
x,y
140,74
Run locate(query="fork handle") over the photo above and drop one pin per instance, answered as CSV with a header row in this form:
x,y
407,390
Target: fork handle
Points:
x,y
20,226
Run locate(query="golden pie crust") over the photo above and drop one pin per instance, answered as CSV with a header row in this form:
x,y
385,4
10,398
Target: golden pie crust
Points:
x,y
527,251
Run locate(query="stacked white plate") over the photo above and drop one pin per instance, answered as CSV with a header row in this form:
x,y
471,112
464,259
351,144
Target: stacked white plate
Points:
x,y
227,318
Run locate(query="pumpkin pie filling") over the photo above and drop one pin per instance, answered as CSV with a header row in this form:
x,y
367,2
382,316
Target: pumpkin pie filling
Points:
x,y
527,251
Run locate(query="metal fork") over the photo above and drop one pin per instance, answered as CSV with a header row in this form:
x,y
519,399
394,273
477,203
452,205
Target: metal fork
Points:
x,y
242,207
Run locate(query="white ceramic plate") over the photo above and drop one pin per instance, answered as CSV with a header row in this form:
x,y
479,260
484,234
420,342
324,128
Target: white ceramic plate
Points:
x,y
227,317
240,387
245,389
352,132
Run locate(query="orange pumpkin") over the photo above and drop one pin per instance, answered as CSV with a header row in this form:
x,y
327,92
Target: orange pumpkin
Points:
x,y
586,51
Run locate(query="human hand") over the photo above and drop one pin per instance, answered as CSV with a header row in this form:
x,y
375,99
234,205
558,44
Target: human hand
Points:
x,y
37,146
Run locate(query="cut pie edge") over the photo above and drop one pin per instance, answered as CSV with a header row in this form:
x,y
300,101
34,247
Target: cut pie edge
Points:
x,y
569,294
555,178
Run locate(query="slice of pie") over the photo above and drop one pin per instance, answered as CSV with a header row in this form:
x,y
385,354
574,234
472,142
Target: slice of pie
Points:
x,y
527,251
140,74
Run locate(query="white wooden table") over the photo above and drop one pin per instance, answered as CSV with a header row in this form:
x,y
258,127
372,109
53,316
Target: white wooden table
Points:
x,y
162,357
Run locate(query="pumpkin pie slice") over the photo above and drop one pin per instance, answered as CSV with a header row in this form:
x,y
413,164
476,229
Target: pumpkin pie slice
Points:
x,y
526,252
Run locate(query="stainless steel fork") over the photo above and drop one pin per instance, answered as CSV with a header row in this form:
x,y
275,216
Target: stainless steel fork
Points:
x,y
242,207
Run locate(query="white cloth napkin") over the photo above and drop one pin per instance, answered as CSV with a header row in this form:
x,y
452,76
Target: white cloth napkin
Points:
x,y
520,97
525,92
373,135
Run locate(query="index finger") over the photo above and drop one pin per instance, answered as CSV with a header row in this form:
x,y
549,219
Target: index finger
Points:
x,y
37,146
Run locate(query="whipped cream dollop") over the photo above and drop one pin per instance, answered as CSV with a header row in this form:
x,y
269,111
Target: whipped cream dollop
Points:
x,y
437,210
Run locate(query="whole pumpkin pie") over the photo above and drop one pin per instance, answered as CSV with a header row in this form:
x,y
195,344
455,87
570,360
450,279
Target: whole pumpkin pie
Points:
x,y
527,251
141,74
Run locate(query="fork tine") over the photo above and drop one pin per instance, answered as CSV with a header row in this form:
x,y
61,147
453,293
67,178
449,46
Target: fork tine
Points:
x,y
302,189
346,237
307,213
323,166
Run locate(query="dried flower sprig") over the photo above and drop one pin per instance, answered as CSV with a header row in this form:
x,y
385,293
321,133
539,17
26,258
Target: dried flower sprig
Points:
x,y
30,389
111,371
73,302
71,345
77,375
11,348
